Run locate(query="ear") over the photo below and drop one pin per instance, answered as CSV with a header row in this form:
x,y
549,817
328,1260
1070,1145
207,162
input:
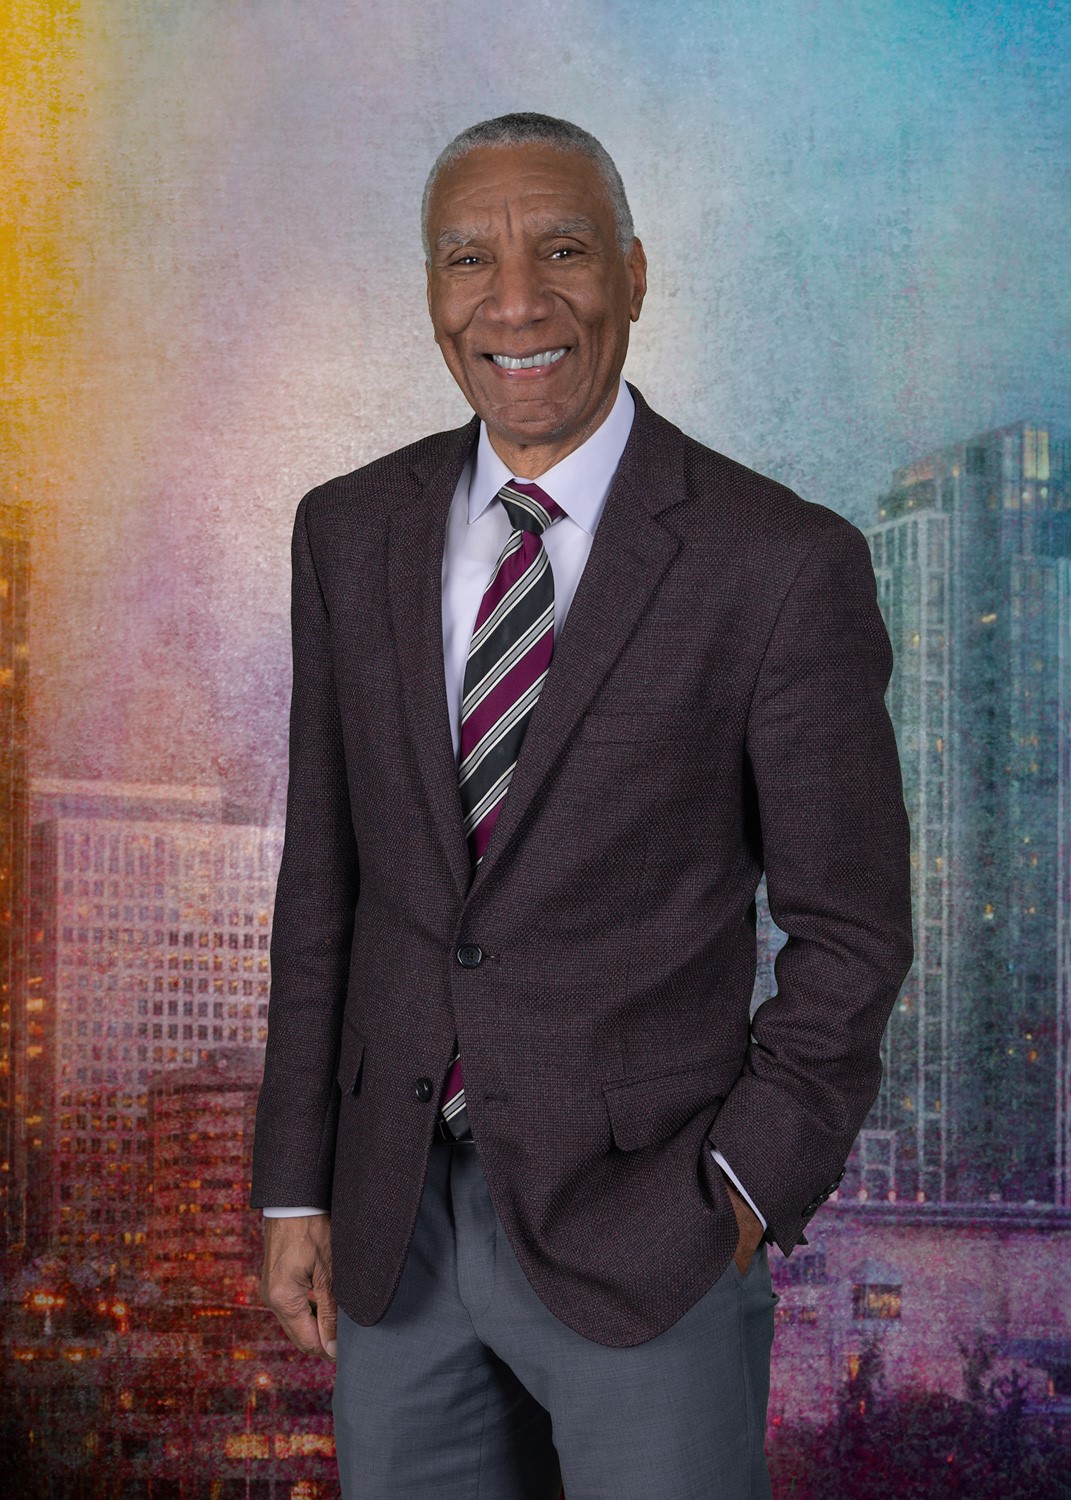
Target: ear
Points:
x,y
636,261
427,282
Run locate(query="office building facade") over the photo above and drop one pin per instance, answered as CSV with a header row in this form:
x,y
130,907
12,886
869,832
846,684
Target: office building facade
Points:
x,y
152,947
971,550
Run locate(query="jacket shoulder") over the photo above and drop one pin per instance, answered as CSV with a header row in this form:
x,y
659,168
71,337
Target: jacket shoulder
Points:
x,y
380,484
745,513
754,499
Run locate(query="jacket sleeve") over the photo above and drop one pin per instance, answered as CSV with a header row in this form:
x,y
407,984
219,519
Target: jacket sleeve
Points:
x,y
836,849
312,928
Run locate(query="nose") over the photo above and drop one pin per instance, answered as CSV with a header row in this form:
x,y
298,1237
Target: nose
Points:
x,y
519,293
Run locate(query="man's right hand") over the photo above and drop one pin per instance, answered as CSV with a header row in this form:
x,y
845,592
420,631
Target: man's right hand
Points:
x,y
297,1272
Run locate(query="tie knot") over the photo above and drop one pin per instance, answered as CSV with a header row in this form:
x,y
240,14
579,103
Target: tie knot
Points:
x,y
529,508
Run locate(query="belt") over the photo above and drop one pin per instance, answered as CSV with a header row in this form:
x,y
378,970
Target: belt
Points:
x,y
443,1131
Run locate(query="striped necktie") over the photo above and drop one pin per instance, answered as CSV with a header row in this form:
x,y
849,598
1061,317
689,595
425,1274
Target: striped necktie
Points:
x,y
509,656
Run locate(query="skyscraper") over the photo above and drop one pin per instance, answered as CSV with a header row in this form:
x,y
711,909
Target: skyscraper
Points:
x,y
153,917
904,1148
202,1234
972,550
14,865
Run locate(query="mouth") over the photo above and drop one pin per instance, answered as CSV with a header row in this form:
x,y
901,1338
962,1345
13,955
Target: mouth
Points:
x,y
545,360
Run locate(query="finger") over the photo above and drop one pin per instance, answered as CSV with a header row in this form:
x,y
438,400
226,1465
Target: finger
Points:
x,y
324,1305
287,1295
297,1319
299,1323
327,1323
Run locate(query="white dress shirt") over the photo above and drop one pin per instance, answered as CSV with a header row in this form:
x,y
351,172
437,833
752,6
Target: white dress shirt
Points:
x,y
476,531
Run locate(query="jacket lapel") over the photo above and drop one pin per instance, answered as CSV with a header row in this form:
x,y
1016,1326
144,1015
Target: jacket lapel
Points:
x,y
630,553
414,588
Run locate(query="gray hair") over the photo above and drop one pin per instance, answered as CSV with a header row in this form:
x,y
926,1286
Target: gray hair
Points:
x,y
534,130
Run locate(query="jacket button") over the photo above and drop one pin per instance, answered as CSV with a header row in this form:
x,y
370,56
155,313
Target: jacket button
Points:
x,y
424,1089
469,955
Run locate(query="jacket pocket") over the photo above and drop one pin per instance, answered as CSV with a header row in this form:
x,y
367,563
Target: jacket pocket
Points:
x,y
350,1060
646,1110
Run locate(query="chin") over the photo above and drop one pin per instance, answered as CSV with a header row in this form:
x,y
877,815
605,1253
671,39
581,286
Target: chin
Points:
x,y
532,432
513,419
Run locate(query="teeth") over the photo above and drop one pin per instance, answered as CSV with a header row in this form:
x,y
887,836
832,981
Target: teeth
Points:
x,y
505,362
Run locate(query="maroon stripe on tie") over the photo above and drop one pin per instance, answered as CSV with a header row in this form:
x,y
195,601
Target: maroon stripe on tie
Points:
x,y
517,563
516,682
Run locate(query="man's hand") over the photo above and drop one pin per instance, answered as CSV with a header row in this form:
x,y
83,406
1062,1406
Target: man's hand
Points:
x,y
297,1271
750,1227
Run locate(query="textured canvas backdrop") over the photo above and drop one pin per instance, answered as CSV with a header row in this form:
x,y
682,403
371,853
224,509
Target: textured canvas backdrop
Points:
x,y
856,217
855,214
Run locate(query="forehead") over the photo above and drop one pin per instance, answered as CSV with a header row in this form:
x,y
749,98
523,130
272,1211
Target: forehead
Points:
x,y
495,183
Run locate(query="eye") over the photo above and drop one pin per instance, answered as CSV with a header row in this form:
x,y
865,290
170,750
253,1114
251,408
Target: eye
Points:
x,y
465,260
562,250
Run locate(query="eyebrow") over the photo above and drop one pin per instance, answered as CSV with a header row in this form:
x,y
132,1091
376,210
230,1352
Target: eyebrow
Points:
x,y
454,237
568,226
450,238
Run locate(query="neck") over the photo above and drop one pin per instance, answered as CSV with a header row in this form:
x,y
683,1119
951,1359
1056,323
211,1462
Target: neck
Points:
x,y
530,460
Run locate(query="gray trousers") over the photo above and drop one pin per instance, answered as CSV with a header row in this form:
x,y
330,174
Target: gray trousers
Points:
x,y
470,1389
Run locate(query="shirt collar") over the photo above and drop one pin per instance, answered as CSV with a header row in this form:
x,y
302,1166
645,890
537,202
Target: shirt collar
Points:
x,y
579,483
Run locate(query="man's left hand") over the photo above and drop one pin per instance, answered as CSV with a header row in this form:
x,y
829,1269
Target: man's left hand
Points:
x,y
750,1226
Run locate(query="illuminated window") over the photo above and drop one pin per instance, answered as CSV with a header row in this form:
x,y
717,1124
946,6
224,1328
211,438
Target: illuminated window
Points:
x,y
876,1299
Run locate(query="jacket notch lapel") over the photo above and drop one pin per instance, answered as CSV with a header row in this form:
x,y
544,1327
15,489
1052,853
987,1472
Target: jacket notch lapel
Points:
x,y
417,537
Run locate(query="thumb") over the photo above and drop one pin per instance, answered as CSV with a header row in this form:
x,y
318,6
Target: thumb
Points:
x,y
327,1320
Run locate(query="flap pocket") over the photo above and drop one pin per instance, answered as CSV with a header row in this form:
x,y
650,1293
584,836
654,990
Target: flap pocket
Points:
x,y
350,1059
645,1110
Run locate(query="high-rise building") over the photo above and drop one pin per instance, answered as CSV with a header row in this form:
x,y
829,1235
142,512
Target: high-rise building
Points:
x,y
37,1058
14,868
151,949
202,1235
971,551
1062,1019
904,1149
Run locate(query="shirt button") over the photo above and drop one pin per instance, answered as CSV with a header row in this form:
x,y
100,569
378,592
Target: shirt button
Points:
x,y
469,955
424,1089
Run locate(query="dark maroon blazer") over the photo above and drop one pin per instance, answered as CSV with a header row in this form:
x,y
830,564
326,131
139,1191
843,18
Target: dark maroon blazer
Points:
x,y
715,707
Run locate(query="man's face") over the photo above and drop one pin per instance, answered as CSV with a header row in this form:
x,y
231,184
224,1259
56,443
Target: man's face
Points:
x,y
525,262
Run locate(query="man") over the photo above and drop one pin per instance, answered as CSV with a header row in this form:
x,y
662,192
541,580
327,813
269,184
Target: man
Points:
x,y
514,943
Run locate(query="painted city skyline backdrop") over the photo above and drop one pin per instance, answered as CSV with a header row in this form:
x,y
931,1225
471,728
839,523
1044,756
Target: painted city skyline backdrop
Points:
x,y
139,963
857,218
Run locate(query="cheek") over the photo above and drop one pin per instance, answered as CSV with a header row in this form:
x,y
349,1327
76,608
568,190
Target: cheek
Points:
x,y
452,348
466,369
451,317
604,330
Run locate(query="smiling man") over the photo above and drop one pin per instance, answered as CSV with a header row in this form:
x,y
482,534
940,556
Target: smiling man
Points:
x,y
521,1144
531,294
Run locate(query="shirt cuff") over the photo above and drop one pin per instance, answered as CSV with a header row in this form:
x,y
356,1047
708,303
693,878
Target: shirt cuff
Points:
x,y
737,1184
291,1213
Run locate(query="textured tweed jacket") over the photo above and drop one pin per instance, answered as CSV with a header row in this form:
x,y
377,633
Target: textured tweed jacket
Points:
x,y
714,707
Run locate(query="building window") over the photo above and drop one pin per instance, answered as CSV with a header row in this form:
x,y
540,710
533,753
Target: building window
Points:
x,y
876,1300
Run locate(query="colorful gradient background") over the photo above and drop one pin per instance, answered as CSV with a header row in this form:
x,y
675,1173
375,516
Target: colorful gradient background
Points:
x,y
856,216
857,219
